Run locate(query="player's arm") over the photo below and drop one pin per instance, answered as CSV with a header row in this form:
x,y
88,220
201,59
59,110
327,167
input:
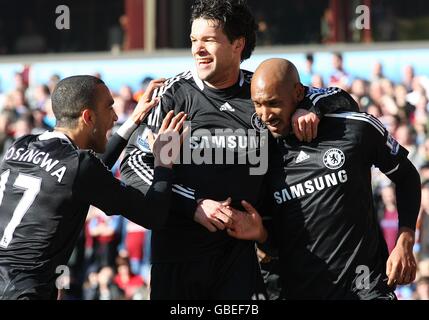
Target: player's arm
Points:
x,y
137,166
246,225
401,265
119,140
253,224
316,103
95,184
391,159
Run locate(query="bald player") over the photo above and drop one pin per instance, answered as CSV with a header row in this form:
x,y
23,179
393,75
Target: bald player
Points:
x,y
326,228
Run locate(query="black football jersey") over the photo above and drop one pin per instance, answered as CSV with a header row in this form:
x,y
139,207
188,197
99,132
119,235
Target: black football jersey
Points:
x,y
330,242
46,187
215,164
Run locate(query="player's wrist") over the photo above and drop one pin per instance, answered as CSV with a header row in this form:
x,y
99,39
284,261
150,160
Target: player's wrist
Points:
x,y
406,237
127,129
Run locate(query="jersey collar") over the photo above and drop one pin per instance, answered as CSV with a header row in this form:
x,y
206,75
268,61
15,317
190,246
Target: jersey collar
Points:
x,y
200,82
55,134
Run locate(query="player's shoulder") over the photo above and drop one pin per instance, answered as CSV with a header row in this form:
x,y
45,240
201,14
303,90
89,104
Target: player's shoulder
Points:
x,y
89,161
56,142
246,75
174,84
360,120
52,144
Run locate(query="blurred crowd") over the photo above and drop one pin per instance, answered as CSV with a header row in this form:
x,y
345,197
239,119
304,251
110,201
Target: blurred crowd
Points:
x,y
112,259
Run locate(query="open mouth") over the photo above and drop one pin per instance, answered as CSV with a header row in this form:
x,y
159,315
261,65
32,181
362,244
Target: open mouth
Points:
x,y
273,123
204,62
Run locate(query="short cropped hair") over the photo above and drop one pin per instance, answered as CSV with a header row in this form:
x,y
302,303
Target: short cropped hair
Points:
x,y
234,17
71,96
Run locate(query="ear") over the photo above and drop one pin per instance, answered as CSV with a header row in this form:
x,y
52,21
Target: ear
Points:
x,y
88,117
299,91
239,44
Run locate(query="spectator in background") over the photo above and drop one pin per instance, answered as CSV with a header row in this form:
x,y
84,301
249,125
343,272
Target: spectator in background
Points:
x,y
423,223
53,80
421,110
19,103
105,232
39,125
20,81
126,280
377,72
376,93
317,81
424,171
132,246
40,97
7,119
374,110
23,126
98,75
405,136
126,93
407,77
90,286
339,78
100,285
422,288
424,153
405,109
389,222
307,74
143,85
107,289
358,89
119,107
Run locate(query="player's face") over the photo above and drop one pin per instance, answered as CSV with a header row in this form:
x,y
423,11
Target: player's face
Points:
x,y
217,59
105,118
274,104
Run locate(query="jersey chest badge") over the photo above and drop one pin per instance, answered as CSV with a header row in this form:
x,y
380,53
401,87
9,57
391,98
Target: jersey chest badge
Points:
x,y
258,124
142,141
334,158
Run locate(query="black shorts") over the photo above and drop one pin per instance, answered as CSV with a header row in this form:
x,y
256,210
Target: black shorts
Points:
x,y
232,275
19,285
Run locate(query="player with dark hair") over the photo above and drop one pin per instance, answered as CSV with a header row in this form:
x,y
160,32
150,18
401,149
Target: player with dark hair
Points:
x,y
48,182
233,17
330,242
188,262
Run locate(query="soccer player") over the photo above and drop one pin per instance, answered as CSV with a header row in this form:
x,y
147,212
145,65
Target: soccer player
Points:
x,y
48,182
188,261
330,243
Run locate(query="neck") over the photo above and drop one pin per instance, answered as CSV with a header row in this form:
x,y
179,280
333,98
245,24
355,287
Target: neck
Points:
x,y
226,81
75,135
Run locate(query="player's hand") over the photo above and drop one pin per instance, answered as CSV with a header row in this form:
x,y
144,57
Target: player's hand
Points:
x,y
166,147
401,266
304,125
210,215
247,225
146,102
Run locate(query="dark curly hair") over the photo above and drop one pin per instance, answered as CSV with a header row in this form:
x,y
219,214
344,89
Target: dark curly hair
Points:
x,y
234,17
